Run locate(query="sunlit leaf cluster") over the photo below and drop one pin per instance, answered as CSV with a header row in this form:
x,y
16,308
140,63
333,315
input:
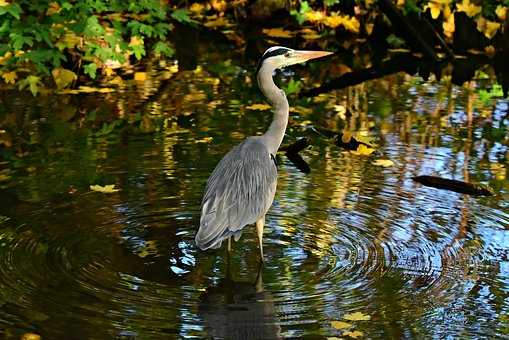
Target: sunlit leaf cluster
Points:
x,y
60,40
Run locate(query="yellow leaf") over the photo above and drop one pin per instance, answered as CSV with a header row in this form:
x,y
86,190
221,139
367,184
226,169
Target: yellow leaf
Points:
x,y
140,76
357,316
488,28
260,107
4,177
470,9
383,162
315,16
4,3
449,26
53,8
5,57
63,77
107,189
354,334
434,8
340,324
30,336
10,77
108,71
196,7
349,23
310,34
363,150
135,41
501,12
277,33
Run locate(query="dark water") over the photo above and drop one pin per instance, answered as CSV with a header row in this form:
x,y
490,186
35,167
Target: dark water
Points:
x,y
347,237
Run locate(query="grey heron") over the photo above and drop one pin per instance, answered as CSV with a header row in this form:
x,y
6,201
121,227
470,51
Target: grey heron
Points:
x,y
241,188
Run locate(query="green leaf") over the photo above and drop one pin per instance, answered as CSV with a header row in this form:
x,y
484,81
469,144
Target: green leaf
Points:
x,y
138,50
13,9
33,82
395,41
300,15
93,28
91,70
293,86
162,48
181,15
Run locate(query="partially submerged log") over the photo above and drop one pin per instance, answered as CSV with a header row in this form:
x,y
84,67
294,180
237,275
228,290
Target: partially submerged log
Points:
x,y
454,185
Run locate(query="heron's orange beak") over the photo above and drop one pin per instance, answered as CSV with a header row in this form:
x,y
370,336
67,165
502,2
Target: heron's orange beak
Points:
x,y
308,55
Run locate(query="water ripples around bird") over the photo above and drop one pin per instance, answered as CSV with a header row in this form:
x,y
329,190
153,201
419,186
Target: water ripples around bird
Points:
x,y
346,238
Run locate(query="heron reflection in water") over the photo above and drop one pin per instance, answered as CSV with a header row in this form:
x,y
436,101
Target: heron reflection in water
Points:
x,y
239,310
241,188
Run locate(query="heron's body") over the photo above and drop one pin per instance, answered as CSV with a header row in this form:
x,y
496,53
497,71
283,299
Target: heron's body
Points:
x,y
241,188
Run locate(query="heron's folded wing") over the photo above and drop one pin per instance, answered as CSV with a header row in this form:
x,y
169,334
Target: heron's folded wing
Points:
x,y
239,192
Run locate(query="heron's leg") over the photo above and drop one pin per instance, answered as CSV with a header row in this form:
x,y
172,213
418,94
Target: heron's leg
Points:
x,y
259,230
229,244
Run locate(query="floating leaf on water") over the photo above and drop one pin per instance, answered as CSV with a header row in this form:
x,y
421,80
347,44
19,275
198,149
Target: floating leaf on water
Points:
x,y
277,33
357,316
107,189
363,150
30,336
260,107
354,334
340,324
383,162
454,185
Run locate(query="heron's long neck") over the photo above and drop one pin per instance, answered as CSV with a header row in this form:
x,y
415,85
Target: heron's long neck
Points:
x,y
276,131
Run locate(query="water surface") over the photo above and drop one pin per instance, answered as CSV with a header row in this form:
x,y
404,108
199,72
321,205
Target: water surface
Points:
x,y
347,237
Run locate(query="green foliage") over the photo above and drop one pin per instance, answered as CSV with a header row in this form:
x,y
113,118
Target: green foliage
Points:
x,y
37,37
300,15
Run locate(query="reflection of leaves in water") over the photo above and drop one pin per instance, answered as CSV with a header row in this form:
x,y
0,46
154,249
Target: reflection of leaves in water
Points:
x,y
277,33
354,334
383,162
259,107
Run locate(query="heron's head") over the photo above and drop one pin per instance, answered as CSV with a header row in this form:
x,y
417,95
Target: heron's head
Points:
x,y
277,57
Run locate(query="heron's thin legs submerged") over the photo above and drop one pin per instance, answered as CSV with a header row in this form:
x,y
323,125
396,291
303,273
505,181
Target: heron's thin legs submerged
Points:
x,y
259,230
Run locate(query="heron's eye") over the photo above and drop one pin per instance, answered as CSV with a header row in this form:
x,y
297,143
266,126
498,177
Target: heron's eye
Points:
x,y
288,54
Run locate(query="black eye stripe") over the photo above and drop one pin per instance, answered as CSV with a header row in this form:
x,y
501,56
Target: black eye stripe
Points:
x,y
277,51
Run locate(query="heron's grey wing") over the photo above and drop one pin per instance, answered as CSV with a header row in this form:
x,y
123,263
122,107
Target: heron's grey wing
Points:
x,y
239,192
